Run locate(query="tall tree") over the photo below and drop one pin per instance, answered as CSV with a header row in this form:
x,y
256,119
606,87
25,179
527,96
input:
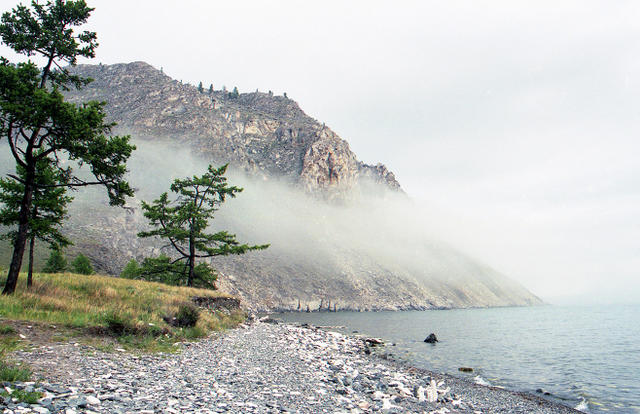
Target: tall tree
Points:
x,y
200,88
183,221
35,120
48,208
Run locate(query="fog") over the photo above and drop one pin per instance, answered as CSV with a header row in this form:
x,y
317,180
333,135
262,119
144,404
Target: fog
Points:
x,y
512,125
376,224
390,228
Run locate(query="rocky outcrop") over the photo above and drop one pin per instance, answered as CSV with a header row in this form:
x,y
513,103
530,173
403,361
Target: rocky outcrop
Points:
x,y
259,132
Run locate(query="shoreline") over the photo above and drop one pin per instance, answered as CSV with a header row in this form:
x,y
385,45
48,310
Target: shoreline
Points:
x,y
403,365
258,368
407,355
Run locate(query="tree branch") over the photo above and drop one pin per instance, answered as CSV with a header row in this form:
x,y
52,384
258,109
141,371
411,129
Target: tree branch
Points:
x,y
12,145
164,227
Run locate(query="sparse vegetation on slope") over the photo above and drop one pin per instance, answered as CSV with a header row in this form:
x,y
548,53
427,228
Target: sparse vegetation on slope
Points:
x,y
137,314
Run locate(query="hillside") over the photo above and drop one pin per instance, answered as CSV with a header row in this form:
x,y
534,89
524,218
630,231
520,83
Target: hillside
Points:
x,y
99,309
342,232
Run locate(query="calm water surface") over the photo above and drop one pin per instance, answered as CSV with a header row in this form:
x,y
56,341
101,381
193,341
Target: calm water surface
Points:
x,y
586,357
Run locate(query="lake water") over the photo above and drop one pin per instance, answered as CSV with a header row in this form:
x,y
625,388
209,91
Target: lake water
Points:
x,y
586,357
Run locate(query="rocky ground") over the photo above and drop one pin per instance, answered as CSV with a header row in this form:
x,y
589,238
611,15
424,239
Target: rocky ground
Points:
x,y
257,368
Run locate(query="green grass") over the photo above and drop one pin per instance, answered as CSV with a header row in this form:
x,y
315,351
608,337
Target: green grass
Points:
x,y
8,339
6,329
23,396
131,311
13,372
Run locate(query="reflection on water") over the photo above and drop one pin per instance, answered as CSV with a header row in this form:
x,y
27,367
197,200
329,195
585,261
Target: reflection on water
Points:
x,y
583,356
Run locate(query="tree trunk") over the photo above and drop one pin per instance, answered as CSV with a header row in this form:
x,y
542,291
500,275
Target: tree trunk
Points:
x,y
192,259
21,237
191,272
32,243
192,254
25,204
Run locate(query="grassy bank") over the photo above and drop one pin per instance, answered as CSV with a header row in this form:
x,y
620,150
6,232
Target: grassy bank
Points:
x,y
112,312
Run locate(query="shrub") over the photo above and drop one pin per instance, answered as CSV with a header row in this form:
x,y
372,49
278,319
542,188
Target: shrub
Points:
x,y
29,397
82,265
118,324
187,316
56,263
131,270
161,269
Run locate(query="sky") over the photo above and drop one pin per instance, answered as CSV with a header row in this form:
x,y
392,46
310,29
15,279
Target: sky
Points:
x,y
515,124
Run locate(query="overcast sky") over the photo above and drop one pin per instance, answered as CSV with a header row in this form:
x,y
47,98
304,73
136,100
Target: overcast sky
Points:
x,y
515,123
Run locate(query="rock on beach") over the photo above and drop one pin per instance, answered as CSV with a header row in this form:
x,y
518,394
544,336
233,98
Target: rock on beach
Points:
x,y
257,368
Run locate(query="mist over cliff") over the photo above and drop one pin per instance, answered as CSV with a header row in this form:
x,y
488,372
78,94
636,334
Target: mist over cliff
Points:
x,y
342,232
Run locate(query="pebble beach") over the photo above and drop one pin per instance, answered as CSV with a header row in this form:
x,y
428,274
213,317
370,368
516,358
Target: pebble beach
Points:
x,y
255,368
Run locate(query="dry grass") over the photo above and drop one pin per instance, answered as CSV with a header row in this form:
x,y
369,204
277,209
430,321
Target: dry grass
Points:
x,y
93,302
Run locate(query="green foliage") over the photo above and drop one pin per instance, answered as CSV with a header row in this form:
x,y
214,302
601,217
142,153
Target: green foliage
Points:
x,y
211,89
49,206
82,265
39,125
183,221
46,30
131,270
56,263
235,93
200,88
162,269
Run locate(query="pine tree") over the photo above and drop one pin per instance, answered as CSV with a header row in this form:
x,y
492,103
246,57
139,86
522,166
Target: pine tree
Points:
x,y
131,270
36,120
82,265
211,89
48,210
56,263
183,221
200,88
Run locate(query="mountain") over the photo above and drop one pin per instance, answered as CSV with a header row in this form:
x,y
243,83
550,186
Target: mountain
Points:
x,y
257,131
341,231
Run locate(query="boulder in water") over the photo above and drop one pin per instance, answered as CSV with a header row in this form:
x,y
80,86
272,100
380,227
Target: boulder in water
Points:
x,y
431,339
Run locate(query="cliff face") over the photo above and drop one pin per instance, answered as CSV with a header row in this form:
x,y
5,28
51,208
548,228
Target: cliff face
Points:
x,y
319,255
261,133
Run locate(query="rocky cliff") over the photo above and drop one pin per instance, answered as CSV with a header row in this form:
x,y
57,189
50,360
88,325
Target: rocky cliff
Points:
x,y
259,132
323,253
